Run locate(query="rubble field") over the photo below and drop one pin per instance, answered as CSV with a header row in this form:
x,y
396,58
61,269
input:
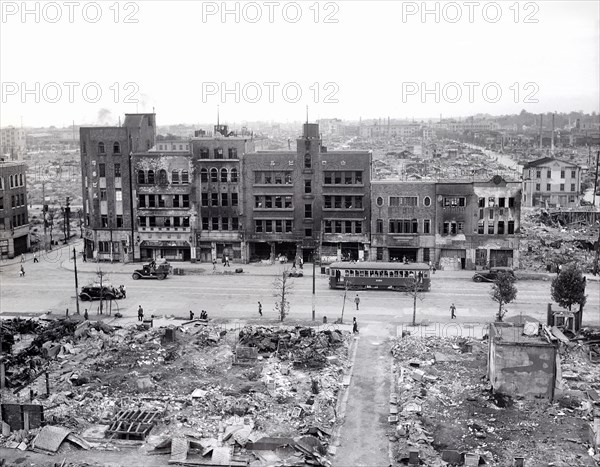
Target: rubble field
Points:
x,y
195,391
444,409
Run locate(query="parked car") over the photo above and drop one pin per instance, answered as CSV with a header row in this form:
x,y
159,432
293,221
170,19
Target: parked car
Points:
x,y
295,273
492,274
95,292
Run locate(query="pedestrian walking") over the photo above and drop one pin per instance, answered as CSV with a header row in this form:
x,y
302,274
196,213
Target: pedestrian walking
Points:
x,y
35,258
301,262
123,291
354,326
214,265
357,301
22,271
140,313
191,315
84,257
86,316
260,308
452,311
227,261
22,258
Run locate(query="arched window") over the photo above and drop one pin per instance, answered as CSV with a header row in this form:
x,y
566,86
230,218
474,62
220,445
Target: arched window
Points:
x,y
21,180
234,175
204,175
307,161
151,177
141,177
11,181
162,177
185,176
116,148
214,175
175,177
101,148
223,175
379,226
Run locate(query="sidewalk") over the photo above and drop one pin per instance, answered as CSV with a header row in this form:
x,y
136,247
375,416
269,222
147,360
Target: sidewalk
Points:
x,y
66,250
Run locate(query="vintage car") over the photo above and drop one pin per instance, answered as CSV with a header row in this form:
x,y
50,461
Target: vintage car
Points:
x,y
95,292
153,271
492,274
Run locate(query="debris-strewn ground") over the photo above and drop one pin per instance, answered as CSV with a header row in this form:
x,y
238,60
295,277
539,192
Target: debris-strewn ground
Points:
x,y
446,409
211,387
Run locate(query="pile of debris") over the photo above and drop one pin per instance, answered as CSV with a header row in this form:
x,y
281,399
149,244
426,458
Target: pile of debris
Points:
x,y
188,383
443,412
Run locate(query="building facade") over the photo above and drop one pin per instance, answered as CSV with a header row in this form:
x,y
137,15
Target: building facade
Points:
x,y
299,202
13,143
14,221
108,186
549,182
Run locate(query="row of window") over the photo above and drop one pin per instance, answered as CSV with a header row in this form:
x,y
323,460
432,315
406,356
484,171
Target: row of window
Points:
x,y
104,221
164,221
215,176
151,178
502,202
118,194
218,153
538,173
220,199
220,223
343,202
164,201
17,221
15,201
380,273
272,178
273,202
538,187
403,226
343,178
403,201
116,148
165,147
496,228
102,170
104,247
343,226
14,181
273,226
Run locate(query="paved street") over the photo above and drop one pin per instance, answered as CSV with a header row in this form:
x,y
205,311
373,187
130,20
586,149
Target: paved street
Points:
x,y
49,285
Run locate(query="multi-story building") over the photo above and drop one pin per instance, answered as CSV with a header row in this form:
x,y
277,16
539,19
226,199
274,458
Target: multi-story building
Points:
x,y
296,201
13,143
477,224
14,222
219,194
549,182
108,186
403,216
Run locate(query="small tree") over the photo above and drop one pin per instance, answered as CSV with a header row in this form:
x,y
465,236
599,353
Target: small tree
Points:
x,y
51,217
568,288
503,291
282,288
415,291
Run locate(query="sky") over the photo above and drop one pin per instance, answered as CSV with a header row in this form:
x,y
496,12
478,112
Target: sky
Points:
x,y
91,62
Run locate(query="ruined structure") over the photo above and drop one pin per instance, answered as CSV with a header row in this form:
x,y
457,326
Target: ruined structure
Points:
x,y
549,182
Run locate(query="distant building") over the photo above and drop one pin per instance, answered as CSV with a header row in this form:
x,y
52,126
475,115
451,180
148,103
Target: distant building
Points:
x,y
550,182
13,143
14,222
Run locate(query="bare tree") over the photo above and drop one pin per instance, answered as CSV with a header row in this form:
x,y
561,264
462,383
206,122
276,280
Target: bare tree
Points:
x,y
51,217
282,288
415,291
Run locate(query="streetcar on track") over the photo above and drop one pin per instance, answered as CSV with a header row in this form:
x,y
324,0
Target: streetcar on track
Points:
x,y
379,275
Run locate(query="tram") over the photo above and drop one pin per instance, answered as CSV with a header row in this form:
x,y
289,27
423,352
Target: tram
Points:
x,y
379,275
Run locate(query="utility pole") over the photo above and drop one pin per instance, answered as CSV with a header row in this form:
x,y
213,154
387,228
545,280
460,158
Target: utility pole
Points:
x,y
68,220
596,179
44,210
76,283
132,243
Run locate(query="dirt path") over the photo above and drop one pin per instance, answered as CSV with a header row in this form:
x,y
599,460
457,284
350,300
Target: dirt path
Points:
x,y
363,438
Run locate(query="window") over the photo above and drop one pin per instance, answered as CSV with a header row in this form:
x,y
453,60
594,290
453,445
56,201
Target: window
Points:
x,y
348,178
379,201
549,173
104,220
491,213
223,175
427,201
235,223
185,201
287,202
358,202
279,226
278,202
234,199
548,187
337,203
481,227
278,178
234,175
348,202
204,199
500,227
307,186
308,211
204,154
218,153
511,227
337,178
232,153
268,202
562,174
258,226
102,195
269,226
501,202
214,199
358,178
101,148
289,226
258,203
204,175
225,223
572,174
481,202
538,174
562,187
117,170
538,187
162,177
102,170
151,177
572,187
84,148
357,227
327,202
151,201
177,222
268,178
215,223
205,223
461,227
175,177
308,233
116,148
338,227
490,228
481,215
224,200
379,226
214,175
327,227
307,161
327,178
427,226
118,194
397,201
511,202
119,221
142,201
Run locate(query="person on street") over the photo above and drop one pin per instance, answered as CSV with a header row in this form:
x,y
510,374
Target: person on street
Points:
x,y
357,301
86,316
354,326
84,257
22,271
122,290
191,315
214,265
22,258
140,313
203,314
301,262
452,311
260,308
227,261
35,258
